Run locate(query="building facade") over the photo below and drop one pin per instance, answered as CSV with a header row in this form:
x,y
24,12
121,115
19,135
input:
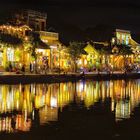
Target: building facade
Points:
x,y
51,56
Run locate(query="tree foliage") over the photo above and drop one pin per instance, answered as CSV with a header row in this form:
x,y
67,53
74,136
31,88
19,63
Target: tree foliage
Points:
x,y
123,49
10,39
34,43
75,49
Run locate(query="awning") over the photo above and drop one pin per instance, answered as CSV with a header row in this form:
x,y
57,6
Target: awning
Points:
x,y
42,45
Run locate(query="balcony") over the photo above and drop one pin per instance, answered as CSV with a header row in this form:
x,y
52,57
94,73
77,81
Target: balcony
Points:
x,y
49,35
36,13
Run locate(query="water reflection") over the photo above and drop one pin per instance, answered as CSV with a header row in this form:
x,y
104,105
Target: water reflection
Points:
x,y
23,107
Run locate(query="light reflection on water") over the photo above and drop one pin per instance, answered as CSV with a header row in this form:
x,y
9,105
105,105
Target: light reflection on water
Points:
x,y
28,106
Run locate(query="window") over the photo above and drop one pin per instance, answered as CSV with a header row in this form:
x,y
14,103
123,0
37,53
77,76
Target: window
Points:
x,y
127,40
113,40
123,39
10,54
118,36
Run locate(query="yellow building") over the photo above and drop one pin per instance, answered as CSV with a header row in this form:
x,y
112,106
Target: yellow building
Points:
x,y
123,37
57,54
24,25
91,60
48,49
12,50
95,59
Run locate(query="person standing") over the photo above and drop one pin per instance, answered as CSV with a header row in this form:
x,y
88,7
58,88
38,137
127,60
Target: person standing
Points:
x,y
13,122
23,68
10,67
31,67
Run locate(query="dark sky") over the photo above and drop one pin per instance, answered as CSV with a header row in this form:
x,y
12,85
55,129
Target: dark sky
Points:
x,y
84,13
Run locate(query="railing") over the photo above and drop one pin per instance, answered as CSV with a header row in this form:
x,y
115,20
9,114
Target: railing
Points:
x,y
49,34
36,13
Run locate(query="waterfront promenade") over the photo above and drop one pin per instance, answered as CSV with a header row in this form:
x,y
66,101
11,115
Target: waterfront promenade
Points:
x,y
13,78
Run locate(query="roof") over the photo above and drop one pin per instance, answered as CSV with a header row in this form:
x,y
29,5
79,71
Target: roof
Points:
x,y
136,37
100,48
84,52
90,49
123,31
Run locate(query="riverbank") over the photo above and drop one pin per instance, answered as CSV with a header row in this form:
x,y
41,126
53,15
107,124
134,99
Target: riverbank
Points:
x,y
56,78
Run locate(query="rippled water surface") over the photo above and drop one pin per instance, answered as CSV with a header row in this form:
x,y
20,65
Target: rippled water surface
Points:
x,y
82,110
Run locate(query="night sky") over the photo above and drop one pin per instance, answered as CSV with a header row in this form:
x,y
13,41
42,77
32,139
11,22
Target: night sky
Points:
x,y
82,14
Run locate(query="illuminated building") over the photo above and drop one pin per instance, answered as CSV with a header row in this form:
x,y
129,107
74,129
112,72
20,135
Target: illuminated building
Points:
x,y
122,37
25,24
38,22
53,56
105,55
92,57
13,52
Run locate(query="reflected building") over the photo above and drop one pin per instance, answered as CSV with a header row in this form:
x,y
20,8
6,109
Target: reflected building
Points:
x,y
125,96
42,103
21,101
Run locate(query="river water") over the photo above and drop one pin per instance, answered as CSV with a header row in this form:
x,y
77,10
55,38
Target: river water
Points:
x,y
83,110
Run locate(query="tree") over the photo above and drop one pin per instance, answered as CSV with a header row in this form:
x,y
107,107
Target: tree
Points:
x,y
10,40
75,49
